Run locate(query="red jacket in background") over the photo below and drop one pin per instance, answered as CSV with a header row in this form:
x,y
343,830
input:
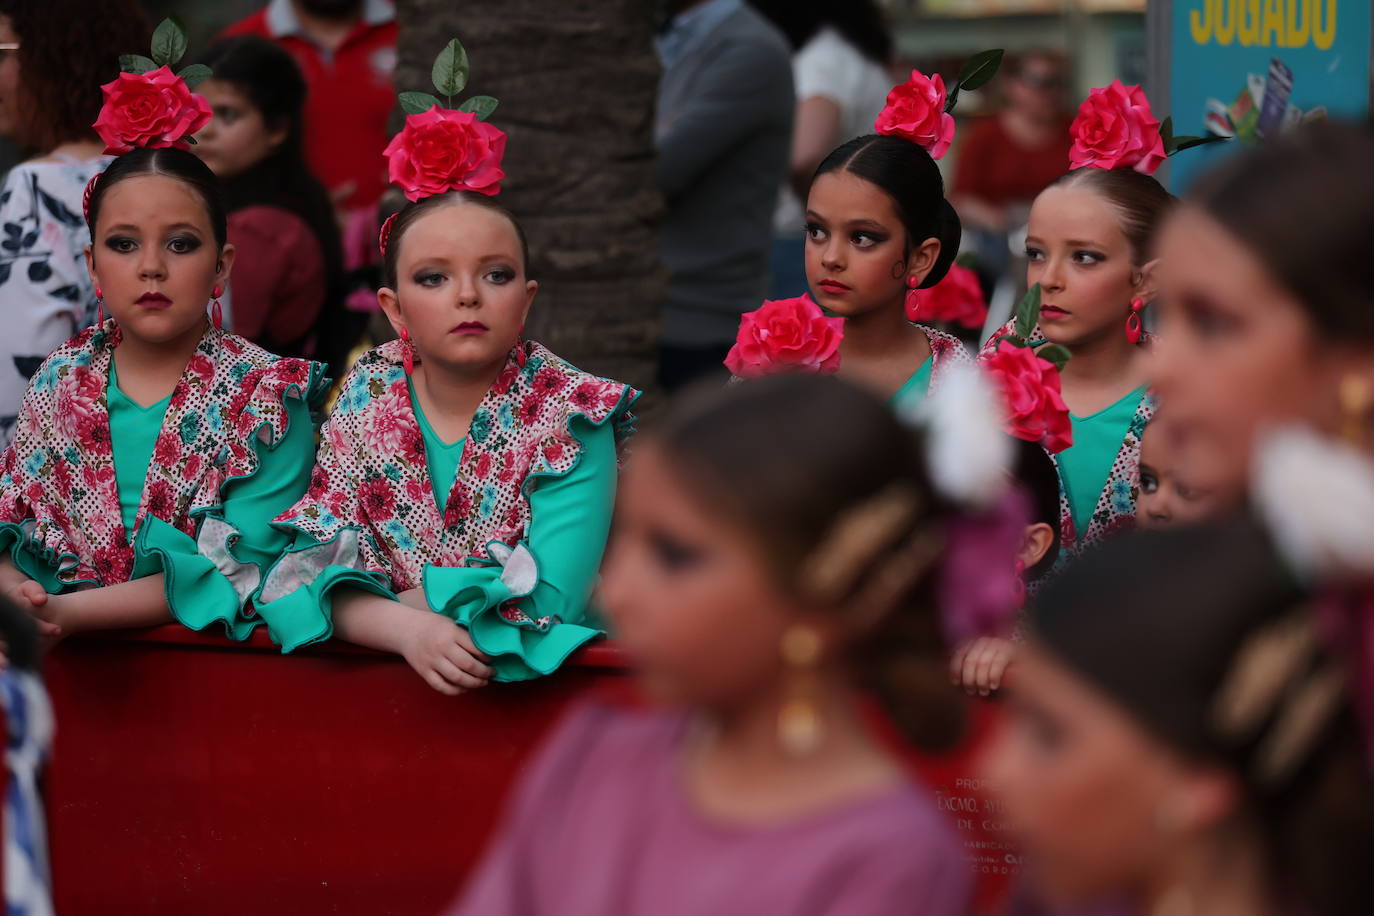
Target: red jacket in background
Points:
x,y
994,168
350,96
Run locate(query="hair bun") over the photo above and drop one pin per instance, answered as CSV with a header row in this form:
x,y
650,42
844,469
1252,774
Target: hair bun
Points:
x,y
949,230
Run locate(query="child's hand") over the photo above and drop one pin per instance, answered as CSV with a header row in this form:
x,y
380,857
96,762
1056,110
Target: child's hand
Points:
x,y
444,655
979,665
30,597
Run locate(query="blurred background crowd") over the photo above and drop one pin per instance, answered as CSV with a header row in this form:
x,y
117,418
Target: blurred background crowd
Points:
x,y
659,186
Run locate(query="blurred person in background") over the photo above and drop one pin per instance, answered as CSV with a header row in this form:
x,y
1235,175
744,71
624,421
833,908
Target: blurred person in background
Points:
x,y
1195,750
723,130
1011,156
347,51
287,280
747,583
54,56
840,68
1167,495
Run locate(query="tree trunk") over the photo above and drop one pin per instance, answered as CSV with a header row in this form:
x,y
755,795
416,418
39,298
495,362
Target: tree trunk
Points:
x,y
577,83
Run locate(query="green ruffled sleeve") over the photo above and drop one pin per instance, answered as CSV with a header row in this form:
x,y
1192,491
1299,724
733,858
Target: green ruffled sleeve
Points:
x,y
548,578
214,577
297,598
14,540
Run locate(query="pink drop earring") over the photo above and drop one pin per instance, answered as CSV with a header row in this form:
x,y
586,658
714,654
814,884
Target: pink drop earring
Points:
x,y
407,352
216,312
1133,321
913,299
99,305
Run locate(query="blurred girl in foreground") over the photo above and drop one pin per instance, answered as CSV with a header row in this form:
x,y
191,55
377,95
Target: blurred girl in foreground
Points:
x,y
758,576
1194,751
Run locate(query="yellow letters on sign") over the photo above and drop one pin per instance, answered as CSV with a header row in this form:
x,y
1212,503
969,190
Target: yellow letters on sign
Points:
x,y
1264,23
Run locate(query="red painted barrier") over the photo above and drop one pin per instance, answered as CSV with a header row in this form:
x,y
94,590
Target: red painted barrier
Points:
x,y
192,774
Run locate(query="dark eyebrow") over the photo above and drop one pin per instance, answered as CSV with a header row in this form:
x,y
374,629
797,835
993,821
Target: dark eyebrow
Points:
x,y
125,227
867,224
1083,243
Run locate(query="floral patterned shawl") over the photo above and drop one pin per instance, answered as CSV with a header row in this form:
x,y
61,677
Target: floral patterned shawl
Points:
x,y
58,478
1115,511
946,352
371,477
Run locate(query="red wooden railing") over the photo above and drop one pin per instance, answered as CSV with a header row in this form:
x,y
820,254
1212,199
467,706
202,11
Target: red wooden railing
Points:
x,y
193,774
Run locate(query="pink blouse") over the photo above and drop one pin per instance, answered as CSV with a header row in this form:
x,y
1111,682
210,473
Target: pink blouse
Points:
x,y
600,826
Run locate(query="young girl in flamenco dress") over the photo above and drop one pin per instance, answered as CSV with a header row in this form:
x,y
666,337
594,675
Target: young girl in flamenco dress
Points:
x,y
1089,248
753,784
154,449
463,489
878,229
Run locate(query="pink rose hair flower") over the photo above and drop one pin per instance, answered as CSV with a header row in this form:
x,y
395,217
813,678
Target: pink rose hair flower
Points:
x,y
1114,129
154,109
786,335
442,150
958,299
916,110
1029,385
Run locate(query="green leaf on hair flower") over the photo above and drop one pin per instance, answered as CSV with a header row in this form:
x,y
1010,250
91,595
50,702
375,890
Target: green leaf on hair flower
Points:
x,y
979,69
136,63
480,105
450,73
169,42
1166,134
951,96
195,74
417,102
1056,354
1183,143
1028,313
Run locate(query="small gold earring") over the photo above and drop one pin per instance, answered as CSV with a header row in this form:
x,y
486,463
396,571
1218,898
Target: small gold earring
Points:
x,y
799,721
1355,401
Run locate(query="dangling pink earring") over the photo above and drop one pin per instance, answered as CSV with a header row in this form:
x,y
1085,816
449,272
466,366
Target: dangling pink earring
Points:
x,y
1133,321
1020,582
520,355
217,313
407,354
99,305
913,299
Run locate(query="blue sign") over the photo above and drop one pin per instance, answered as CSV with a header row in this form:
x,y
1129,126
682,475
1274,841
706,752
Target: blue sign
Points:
x,y
1252,68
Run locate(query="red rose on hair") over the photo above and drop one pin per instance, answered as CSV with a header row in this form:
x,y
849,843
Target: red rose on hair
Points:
x,y
916,110
441,150
1029,386
1114,129
153,109
786,335
958,298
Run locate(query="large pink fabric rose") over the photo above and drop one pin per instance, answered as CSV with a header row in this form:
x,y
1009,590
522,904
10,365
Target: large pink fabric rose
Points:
x,y
786,335
916,110
443,150
1114,129
154,109
958,298
1030,392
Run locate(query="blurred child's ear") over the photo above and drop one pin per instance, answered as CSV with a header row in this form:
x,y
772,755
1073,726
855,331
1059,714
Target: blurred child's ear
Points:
x,y
1035,544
